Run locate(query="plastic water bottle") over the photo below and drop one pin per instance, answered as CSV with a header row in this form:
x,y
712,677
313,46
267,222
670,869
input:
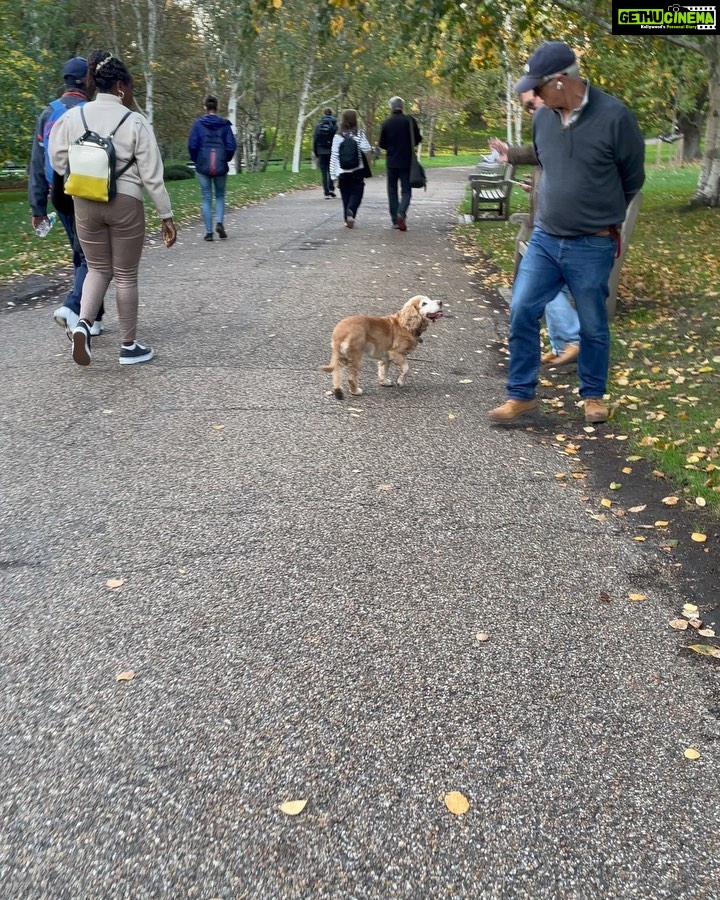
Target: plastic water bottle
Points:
x,y
44,227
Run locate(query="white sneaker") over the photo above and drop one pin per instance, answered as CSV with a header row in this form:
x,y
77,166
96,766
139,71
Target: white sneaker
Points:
x,y
96,328
66,318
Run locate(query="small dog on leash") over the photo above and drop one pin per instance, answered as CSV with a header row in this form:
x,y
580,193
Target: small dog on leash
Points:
x,y
388,339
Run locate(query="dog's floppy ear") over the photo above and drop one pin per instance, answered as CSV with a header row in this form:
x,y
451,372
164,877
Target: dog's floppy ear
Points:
x,y
411,318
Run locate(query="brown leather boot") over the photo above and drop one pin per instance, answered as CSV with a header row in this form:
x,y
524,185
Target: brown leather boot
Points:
x,y
568,355
511,409
595,410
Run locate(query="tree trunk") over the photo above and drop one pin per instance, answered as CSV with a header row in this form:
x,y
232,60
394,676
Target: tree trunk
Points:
x,y
707,192
302,114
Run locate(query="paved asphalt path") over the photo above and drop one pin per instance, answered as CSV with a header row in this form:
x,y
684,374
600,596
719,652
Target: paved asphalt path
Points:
x,y
303,583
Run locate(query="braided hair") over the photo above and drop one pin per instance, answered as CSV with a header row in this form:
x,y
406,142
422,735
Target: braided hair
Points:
x,y
106,70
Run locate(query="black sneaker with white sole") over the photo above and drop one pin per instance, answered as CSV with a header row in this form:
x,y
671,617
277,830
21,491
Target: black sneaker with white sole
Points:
x,y
135,353
81,344
221,231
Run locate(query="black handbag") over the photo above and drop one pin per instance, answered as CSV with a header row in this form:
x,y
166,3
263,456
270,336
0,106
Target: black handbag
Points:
x,y
418,178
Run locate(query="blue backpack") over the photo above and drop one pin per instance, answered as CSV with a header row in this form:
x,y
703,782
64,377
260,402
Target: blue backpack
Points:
x,y
58,109
212,156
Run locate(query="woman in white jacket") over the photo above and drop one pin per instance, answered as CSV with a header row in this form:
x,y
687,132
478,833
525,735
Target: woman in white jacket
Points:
x,y
349,173
112,234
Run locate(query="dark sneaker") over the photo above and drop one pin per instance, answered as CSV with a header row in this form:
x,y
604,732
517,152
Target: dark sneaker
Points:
x,y
81,344
349,221
208,236
401,222
135,354
332,194
220,230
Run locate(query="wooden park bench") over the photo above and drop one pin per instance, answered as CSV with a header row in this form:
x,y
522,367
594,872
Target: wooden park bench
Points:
x,y
491,187
523,236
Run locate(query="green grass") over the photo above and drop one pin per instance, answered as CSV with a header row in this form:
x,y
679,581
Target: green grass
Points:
x,y
665,363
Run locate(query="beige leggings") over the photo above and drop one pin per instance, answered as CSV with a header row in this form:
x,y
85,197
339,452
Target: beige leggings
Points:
x,y
112,235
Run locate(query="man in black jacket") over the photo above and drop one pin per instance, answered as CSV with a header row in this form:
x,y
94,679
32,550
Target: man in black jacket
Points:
x,y
399,135
322,145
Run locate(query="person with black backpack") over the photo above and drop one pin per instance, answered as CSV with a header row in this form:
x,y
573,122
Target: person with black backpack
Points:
x,y
349,165
211,146
322,146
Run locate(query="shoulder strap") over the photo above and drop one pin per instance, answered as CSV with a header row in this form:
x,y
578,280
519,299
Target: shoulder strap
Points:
x,y
82,116
119,123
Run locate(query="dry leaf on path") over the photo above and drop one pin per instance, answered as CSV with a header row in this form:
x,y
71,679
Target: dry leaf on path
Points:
x,y
637,597
707,632
698,537
293,807
691,753
678,624
637,509
482,636
114,583
457,803
670,501
125,676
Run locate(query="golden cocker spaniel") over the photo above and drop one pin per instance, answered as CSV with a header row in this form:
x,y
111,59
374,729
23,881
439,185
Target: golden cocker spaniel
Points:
x,y
388,339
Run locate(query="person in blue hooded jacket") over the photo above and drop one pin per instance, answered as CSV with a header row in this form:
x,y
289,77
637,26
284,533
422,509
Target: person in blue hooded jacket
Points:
x,y
211,146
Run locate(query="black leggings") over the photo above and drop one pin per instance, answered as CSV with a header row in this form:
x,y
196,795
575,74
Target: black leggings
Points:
x,y
352,188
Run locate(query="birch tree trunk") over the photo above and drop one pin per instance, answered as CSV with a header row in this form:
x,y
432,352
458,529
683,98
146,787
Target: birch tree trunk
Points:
x,y
145,13
707,192
302,112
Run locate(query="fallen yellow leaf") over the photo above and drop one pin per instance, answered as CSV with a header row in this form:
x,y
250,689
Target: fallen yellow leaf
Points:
x,y
691,753
690,607
707,632
670,501
637,597
114,583
637,509
218,427
699,537
293,807
627,470
457,803
705,650
700,501
483,636
661,523
125,676
678,624
605,502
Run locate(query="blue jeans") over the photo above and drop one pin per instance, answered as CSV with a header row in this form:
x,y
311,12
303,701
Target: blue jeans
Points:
x,y
207,182
402,176
72,301
583,264
561,319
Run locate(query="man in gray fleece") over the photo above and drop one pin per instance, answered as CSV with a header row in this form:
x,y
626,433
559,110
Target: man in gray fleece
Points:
x,y
592,155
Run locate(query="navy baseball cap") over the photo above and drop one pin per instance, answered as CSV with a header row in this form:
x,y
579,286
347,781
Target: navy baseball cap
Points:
x,y
549,59
75,69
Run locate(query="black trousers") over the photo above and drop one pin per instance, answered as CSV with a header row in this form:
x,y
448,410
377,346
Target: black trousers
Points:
x,y
352,188
324,165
